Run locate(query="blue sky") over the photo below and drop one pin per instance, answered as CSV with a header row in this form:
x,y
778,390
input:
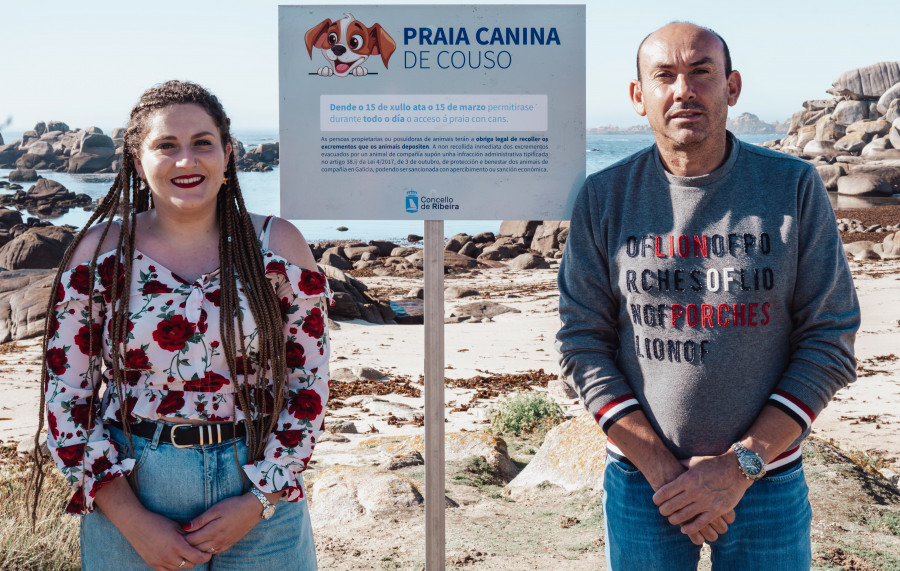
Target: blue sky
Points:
x,y
87,62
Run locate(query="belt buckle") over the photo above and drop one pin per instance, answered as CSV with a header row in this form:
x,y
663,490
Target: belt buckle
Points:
x,y
172,435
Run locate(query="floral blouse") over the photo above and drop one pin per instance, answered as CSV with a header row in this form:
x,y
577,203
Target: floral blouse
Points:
x,y
175,367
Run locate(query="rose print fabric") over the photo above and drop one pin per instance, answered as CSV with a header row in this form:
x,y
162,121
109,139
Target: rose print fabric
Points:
x,y
175,367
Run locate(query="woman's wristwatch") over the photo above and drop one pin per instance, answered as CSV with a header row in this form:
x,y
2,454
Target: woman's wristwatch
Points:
x,y
268,508
751,465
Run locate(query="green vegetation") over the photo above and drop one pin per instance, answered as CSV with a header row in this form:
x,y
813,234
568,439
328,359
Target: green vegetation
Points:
x,y
526,413
477,472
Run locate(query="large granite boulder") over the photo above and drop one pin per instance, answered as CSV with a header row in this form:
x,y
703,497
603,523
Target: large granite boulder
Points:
x,y
572,457
879,150
893,111
852,142
37,248
864,184
827,129
10,218
546,236
46,189
342,494
830,174
894,135
528,261
57,126
23,175
850,111
9,154
24,295
867,82
93,153
519,228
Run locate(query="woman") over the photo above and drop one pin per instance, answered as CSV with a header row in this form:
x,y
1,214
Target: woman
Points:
x,y
208,326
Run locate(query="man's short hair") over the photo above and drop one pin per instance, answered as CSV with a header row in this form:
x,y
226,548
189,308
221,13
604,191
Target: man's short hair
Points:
x,y
710,30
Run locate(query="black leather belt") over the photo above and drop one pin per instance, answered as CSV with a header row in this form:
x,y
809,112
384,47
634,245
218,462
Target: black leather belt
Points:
x,y
187,435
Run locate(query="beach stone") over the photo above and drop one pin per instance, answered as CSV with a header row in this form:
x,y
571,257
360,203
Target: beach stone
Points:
x,y
827,129
452,260
852,142
416,292
23,303
572,457
335,261
481,310
504,249
46,189
469,249
461,446
865,184
890,173
878,127
819,148
560,388
342,427
890,247
894,135
879,149
830,175
342,494
385,248
377,405
456,292
861,250
483,237
38,247
403,252
893,111
26,447
489,255
9,217
23,175
9,154
413,238
871,81
414,458
528,262
354,253
804,136
850,111
343,374
344,306
519,228
456,242
368,373
57,126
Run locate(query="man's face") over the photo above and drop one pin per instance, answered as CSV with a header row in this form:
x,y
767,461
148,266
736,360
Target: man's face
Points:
x,y
683,89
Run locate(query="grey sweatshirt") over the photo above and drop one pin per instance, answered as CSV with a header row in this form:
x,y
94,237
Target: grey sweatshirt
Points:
x,y
699,300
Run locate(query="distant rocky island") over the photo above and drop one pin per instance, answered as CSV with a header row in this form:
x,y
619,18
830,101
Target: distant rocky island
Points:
x,y
743,124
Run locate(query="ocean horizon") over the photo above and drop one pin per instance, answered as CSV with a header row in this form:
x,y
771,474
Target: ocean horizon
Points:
x,y
261,191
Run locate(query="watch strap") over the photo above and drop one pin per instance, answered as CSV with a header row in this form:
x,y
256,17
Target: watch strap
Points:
x,y
268,508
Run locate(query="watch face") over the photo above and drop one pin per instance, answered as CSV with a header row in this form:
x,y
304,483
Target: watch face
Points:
x,y
268,512
752,465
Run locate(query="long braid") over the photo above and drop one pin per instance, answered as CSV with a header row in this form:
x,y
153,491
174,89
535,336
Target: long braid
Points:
x,y
240,261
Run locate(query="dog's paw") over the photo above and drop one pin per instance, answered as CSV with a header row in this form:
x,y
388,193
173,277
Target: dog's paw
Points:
x,y
360,71
326,71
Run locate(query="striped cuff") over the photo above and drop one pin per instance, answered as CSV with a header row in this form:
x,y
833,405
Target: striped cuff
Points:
x,y
793,407
616,409
779,465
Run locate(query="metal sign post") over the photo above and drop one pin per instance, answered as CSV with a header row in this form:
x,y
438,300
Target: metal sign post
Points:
x,y
434,395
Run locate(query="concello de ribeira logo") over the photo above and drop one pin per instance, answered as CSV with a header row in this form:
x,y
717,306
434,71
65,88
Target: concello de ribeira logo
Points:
x,y
412,201
346,44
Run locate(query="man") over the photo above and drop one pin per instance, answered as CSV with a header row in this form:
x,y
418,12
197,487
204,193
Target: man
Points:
x,y
708,315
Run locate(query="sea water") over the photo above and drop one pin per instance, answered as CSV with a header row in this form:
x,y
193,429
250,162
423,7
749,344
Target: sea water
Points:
x,y
261,191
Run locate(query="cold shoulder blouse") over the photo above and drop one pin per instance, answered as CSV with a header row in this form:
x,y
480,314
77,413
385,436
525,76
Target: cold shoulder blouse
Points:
x,y
175,367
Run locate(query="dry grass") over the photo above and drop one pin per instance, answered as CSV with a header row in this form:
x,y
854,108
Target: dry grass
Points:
x,y
53,542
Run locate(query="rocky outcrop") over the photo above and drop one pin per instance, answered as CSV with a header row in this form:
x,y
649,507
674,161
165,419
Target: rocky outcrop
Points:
x,y
47,199
38,247
24,295
857,128
461,446
572,457
750,124
342,494
54,146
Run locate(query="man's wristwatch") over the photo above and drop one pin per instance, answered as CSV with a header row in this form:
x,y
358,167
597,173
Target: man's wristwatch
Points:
x,y
268,508
751,465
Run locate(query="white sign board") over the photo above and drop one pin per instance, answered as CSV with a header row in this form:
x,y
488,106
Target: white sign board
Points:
x,y
431,112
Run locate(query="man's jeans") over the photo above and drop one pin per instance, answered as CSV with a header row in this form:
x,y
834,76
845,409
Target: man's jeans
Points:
x,y
182,483
771,528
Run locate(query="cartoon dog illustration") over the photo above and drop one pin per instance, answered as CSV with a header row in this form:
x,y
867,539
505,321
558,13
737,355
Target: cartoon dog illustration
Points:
x,y
347,43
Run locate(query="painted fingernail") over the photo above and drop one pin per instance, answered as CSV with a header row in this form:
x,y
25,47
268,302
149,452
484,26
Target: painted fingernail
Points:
x,y
186,526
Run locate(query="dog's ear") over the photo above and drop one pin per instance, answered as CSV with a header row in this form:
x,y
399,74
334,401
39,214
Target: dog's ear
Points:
x,y
383,42
315,36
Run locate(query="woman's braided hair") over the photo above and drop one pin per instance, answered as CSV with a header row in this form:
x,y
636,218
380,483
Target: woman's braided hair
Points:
x,y
241,265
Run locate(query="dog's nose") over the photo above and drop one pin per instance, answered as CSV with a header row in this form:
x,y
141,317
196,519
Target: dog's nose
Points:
x,y
338,49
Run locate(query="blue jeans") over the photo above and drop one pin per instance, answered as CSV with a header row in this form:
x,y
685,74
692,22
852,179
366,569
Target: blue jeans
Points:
x,y
771,530
182,483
